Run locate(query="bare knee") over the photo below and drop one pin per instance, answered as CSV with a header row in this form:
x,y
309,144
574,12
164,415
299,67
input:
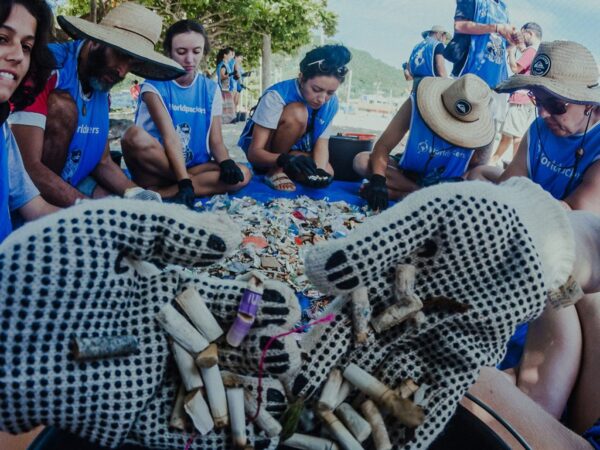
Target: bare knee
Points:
x,y
294,114
136,144
484,173
360,164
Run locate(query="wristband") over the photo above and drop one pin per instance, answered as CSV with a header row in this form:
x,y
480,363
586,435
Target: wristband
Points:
x,y
186,182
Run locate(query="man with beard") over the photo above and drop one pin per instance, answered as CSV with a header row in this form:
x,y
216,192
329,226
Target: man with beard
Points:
x,y
63,135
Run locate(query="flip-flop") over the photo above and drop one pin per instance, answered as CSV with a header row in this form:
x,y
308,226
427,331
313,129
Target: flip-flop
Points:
x,y
279,180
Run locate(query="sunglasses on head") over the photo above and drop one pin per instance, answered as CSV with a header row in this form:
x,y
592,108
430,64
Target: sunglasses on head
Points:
x,y
326,68
551,104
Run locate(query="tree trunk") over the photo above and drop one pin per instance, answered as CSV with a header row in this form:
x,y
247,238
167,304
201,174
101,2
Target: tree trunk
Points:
x,y
93,11
266,61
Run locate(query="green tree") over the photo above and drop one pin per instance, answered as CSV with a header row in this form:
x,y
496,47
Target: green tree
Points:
x,y
254,27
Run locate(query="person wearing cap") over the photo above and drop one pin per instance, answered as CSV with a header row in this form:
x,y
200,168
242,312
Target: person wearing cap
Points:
x,y
561,152
521,111
63,135
450,124
287,136
427,57
176,146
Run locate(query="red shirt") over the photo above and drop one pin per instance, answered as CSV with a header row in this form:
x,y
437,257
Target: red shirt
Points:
x,y
521,97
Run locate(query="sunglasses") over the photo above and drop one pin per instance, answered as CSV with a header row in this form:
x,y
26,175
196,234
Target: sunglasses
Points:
x,y
326,68
554,106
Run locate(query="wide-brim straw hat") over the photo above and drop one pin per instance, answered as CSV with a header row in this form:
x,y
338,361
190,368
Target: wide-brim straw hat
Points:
x,y
563,69
133,30
435,29
457,110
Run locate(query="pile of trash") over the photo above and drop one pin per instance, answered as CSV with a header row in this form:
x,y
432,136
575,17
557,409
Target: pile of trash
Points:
x,y
276,235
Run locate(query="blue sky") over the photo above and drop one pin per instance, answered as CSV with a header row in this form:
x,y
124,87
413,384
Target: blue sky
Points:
x,y
389,29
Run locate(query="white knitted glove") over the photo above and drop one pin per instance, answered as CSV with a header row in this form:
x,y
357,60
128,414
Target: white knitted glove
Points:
x,y
489,252
81,273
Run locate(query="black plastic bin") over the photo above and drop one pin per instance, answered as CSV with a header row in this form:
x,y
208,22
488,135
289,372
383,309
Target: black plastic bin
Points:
x,y
342,150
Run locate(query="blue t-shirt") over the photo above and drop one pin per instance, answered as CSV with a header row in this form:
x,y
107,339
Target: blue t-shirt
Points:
x,y
554,163
191,108
429,156
90,138
487,52
281,94
5,224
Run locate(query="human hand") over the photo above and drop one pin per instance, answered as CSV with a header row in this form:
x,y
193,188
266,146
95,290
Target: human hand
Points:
x,y
186,195
230,172
297,164
376,193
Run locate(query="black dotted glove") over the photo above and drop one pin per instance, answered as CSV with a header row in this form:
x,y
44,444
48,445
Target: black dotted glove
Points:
x,y
319,180
186,195
376,193
230,172
297,164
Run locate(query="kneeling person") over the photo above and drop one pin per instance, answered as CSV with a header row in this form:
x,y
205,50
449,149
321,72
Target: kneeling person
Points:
x,y
288,134
450,125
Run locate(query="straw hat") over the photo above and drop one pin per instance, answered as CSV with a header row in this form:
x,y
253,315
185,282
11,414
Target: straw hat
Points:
x,y
563,69
435,29
132,29
457,110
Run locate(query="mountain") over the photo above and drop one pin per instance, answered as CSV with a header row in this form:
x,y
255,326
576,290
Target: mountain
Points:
x,y
369,75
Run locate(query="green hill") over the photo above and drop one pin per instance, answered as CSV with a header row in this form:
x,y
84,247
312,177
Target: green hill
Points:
x,y
369,75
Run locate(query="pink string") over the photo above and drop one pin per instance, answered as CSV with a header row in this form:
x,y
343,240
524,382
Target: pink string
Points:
x,y
325,319
188,444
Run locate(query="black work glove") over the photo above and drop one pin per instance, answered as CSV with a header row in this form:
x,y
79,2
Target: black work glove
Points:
x,y
186,195
230,172
319,180
376,194
297,164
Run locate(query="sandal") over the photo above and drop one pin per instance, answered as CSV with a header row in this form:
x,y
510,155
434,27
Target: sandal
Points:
x,y
280,182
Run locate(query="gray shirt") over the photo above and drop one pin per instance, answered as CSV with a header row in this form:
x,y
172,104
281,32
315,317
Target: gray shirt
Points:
x,y
21,188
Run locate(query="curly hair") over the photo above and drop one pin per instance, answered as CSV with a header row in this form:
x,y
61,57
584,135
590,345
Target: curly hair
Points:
x,y
326,60
42,60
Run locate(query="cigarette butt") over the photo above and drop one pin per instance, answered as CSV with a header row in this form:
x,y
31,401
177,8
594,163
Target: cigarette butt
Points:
x,y
104,347
265,420
381,438
177,419
208,357
197,409
361,314
329,394
358,426
215,391
307,442
187,368
235,402
340,432
181,330
199,314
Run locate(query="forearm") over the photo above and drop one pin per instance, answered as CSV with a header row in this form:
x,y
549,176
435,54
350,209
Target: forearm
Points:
x,y
586,230
111,177
262,157
175,156
378,161
219,152
52,187
36,208
512,60
320,153
470,27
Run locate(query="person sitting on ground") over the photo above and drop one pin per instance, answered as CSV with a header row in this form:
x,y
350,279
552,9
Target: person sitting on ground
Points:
x,y
521,112
63,135
450,129
178,128
427,57
561,152
288,133
24,34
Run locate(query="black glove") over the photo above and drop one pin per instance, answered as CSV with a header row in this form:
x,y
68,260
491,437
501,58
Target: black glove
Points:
x,y
297,164
186,195
376,194
320,180
230,172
